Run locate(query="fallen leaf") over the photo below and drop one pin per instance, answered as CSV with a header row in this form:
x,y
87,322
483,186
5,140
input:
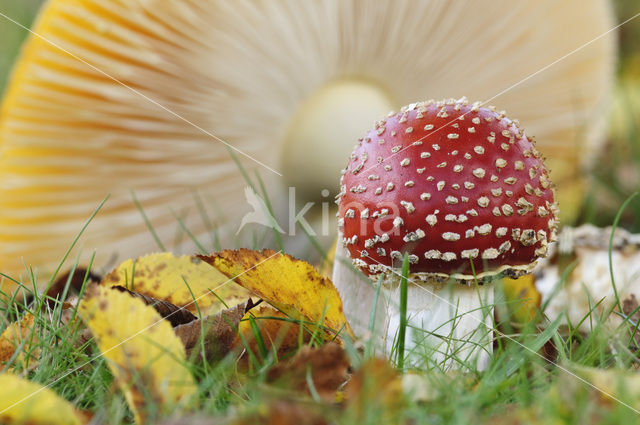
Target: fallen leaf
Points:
x,y
220,332
589,395
276,332
145,356
319,370
26,402
20,335
288,284
181,280
174,314
374,394
286,412
75,278
78,332
523,299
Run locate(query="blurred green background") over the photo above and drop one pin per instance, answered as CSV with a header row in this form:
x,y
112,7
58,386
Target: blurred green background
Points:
x,y
11,35
614,178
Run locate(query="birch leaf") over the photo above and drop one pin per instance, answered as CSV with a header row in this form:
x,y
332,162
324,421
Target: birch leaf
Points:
x,y
181,280
145,356
26,402
288,284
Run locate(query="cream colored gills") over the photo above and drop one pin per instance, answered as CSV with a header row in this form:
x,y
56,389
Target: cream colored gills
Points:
x,y
159,75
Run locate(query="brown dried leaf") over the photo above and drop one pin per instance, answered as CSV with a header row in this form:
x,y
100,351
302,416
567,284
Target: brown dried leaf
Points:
x,y
281,334
220,332
75,282
375,391
174,314
285,412
630,308
327,365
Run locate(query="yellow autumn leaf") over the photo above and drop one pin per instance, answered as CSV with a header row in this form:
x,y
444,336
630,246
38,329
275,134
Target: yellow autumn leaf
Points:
x,y
179,280
19,335
291,285
275,331
523,299
25,402
145,356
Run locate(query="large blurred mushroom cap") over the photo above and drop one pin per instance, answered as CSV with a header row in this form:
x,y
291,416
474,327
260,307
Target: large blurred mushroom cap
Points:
x,y
152,98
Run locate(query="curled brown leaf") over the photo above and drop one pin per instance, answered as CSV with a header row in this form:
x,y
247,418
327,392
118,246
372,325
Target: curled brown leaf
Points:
x,y
174,314
216,333
321,370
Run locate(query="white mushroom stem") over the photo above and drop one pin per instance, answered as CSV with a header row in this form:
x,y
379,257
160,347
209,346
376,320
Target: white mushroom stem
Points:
x,y
461,315
448,325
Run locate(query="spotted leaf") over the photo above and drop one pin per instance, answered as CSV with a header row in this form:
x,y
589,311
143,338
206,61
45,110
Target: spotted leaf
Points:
x,y
291,285
181,280
145,356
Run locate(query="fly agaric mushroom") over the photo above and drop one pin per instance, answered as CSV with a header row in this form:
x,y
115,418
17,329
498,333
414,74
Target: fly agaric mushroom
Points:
x,y
463,192
112,97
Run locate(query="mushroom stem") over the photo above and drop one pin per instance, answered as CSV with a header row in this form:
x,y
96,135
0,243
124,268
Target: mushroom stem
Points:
x,y
449,325
358,294
324,128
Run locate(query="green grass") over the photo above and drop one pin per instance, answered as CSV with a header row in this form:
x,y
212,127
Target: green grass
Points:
x,y
520,380
529,374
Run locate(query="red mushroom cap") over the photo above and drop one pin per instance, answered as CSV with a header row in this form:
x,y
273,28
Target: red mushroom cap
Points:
x,y
447,182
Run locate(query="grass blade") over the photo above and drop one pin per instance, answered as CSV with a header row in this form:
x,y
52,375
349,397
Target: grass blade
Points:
x,y
372,318
613,230
147,222
402,330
